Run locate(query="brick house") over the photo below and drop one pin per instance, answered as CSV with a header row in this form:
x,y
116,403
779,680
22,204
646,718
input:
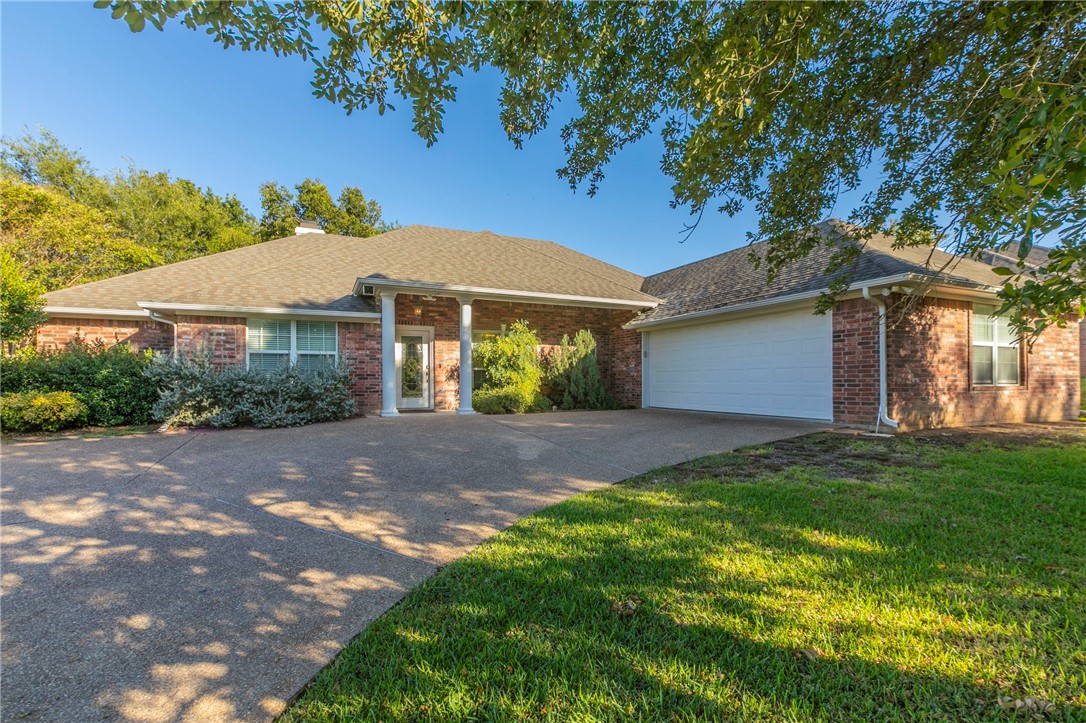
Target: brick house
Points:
x,y
905,345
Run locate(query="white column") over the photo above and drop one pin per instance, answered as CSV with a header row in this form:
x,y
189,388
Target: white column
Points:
x,y
465,358
388,355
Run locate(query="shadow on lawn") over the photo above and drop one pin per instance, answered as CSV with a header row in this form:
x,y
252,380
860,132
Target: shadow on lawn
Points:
x,y
814,598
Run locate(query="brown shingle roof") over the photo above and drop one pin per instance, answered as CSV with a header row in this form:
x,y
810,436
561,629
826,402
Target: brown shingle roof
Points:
x,y
318,271
730,278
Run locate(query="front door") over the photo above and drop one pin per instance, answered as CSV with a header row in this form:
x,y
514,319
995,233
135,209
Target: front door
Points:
x,y
413,379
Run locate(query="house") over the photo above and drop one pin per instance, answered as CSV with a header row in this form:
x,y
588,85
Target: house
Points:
x,y
1035,259
905,344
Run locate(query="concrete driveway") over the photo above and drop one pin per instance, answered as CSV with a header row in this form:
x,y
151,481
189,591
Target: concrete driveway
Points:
x,y
210,575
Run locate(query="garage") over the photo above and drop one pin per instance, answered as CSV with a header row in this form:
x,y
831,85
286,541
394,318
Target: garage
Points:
x,y
778,364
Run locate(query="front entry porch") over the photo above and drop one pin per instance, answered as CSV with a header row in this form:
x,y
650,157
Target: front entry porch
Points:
x,y
430,335
412,350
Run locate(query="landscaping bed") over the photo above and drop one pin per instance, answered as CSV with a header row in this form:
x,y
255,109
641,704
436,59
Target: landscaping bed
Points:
x,y
830,577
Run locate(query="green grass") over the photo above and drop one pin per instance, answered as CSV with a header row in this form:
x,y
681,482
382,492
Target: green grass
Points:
x,y
827,578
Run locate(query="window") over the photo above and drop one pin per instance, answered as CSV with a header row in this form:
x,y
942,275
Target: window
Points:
x,y
995,347
277,344
478,374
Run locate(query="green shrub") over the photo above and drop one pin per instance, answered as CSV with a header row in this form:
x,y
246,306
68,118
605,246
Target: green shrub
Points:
x,y
506,401
109,380
573,375
193,393
41,411
512,371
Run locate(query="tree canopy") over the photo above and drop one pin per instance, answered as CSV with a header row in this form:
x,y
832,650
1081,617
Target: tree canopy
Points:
x,y
62,223
352,215
21,301
970,114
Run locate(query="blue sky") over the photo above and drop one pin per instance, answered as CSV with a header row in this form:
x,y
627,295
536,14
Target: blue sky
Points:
x,y
232,120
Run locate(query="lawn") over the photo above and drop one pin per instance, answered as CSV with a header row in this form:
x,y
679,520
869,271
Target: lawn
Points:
x,y
826,578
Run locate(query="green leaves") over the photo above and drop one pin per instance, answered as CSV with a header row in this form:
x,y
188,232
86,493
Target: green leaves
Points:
x,y
972,116
352,215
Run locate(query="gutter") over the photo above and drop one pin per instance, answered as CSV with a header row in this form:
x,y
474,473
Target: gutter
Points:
x,y
155,316
883,418
152,307
761,303
486,293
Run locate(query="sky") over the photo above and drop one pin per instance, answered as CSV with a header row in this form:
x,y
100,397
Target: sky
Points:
x,y
231,120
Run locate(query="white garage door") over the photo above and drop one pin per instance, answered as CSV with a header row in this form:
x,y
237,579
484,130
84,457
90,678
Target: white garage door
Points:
x,y
777,364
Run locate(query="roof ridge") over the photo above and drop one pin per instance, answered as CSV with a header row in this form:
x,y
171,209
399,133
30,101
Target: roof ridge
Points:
x,y
517,241
707,258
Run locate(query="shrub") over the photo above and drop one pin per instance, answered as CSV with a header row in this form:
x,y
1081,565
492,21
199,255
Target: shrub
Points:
x,y
573,375
512,372
193,393
109,380
41,411
506,401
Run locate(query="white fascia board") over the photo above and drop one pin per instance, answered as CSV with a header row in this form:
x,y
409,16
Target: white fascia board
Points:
x,y
258,311
940,289
477,292
82,312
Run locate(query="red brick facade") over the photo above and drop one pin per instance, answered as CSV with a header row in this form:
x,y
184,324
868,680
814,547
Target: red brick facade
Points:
x,y
142,334
928,354
855,362
929,368
360,351
222,337
550,322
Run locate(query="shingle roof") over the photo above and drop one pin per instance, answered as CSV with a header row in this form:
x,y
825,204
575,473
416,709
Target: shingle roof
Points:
x,y
730,278
318,271
1008,256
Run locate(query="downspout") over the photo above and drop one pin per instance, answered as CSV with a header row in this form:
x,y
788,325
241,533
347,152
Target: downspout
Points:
x,y
883,417
163,320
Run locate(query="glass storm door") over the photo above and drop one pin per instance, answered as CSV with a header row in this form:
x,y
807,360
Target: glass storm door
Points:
x,y
413,379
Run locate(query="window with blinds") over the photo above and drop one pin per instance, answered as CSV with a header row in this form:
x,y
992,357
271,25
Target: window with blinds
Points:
x,y
274,344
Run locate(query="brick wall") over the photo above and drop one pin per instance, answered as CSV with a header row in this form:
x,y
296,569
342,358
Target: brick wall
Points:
x,y
360,350
143,334
855,362
1082,349
618,350
929,367
224,337
625,363
550,322
929,371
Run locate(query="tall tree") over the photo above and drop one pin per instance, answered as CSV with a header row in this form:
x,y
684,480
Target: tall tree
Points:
x,y
21,302
280,217
59,242
353,215
971,114
42,160
171,217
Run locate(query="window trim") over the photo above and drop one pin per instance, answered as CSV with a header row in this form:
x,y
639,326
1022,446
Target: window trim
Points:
x,y
478,379
293,353
995,345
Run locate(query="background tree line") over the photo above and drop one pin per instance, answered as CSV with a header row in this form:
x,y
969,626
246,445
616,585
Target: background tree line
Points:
x,y
63,223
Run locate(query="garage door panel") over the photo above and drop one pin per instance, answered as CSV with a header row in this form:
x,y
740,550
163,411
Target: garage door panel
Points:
x,y
778,364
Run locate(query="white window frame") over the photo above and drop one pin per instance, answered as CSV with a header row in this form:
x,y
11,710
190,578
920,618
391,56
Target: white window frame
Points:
x,y
293,352
995,345
477,379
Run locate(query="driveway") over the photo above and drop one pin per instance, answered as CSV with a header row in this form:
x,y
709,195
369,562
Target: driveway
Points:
x,y
210,575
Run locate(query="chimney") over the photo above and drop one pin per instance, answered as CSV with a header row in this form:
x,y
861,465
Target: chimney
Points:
x,y
307,226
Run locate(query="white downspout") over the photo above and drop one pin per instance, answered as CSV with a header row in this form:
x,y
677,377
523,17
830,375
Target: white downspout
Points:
x,y
883,418
163,320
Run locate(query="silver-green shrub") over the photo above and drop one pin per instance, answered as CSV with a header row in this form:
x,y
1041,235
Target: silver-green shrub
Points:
x,y
193,393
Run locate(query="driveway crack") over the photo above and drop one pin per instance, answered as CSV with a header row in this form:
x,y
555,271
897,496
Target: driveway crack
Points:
x,y
162,459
